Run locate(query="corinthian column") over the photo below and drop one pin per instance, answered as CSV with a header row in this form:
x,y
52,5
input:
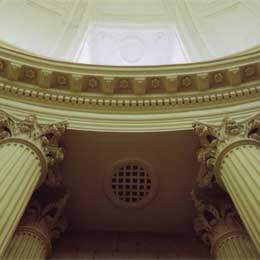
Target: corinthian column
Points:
x,y
27,149
220,228
42,222
230,155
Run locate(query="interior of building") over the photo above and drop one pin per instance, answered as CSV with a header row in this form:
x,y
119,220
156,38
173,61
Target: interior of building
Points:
x,y
129,129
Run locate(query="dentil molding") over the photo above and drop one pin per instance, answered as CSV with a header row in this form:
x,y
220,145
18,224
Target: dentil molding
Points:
x,y
129,99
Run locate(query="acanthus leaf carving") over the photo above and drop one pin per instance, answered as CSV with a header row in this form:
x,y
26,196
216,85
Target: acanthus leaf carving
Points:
x,y
214,219
45,136
46,209
216,138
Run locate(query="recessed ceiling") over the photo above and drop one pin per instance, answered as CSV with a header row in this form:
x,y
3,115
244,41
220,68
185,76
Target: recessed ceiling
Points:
x,y
131,33
90,157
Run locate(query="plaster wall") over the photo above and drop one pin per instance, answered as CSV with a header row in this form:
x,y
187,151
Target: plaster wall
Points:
x,y
131,32
114,245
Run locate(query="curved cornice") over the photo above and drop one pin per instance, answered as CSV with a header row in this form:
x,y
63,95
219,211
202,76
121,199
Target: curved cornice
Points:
x,y
150,80
129,99
109,122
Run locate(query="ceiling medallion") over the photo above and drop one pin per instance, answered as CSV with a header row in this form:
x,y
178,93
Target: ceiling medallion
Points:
x,y
132,49
131,184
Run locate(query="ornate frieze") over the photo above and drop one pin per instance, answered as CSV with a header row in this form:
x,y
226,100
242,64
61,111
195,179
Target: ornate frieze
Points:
x,y
155,83
92,83
249,72
185,82
123,84
218,78
128,88
189,77
2,65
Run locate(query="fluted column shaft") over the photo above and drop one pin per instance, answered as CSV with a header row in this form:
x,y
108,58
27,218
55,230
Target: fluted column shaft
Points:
x,y
42,222
29,242
220,227
21,168
232,244
230,153
239,173
27,149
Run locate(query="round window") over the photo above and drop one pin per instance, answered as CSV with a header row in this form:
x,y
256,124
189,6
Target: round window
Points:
x,y
131,183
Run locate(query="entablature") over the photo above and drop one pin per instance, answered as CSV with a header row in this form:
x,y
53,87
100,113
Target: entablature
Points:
x,y
147,98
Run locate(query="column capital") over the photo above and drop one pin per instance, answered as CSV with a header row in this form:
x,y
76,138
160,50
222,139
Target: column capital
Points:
x,y
43,221
216,221
42,138
218,140
44,215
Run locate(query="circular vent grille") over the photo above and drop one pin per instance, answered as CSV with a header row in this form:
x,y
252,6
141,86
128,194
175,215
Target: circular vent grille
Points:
x,y
131,183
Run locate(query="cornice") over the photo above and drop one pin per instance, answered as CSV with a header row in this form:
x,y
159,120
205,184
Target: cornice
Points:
x,y
110,122
151,80
129,99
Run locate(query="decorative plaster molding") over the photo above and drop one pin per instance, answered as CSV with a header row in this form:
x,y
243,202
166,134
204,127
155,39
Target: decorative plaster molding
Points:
x,y
44,217
217,223
105,98
218,140
41,138
229,72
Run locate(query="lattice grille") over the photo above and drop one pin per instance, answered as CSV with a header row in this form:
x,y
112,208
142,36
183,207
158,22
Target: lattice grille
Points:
x,y
131,183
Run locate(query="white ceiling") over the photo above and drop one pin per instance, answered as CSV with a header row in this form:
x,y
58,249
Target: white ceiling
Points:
x,y
131,32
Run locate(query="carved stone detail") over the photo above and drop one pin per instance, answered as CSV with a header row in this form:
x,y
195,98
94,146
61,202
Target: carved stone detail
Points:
x,y
43,222
249,72
219,226
61,80
93,83
123,83
218,77
209,216
2,65
139,86
44,136
33,149
216,139
155,83
29,73
46,208
186,82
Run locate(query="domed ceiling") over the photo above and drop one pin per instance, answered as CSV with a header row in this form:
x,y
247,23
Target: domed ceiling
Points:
x,y
131,32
